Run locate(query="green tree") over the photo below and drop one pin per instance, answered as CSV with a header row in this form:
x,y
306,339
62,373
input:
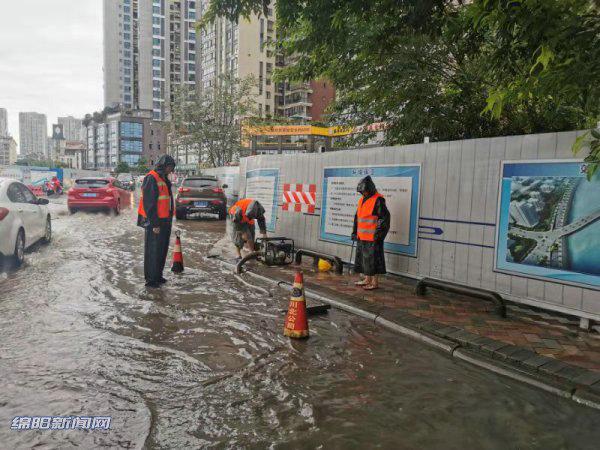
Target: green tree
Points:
x,y
210,120
447,69
122,167
142,166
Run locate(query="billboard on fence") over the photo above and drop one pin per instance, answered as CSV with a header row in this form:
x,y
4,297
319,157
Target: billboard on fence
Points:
x,y
399,184
262,185
549,222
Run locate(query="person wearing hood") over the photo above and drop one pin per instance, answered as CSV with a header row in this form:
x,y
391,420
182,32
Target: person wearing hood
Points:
x,y
371,225
155,215
242,215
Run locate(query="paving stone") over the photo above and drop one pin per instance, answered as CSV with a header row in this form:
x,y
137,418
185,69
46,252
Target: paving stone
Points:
x,y
445,330
431,326
588,378
505,352
537,361
571,372
490,345
553,367
521,355
465,337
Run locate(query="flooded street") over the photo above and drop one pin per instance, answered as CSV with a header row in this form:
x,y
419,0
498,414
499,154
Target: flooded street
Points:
x,y
202,362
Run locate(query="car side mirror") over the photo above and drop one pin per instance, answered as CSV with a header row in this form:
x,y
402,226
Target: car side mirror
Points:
x,y
42,201
224,186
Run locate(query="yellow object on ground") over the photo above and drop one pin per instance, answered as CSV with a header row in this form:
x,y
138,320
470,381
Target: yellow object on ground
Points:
x,y
324,266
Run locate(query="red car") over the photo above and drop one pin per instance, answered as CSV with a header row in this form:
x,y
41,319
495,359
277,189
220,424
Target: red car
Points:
x,y
98,194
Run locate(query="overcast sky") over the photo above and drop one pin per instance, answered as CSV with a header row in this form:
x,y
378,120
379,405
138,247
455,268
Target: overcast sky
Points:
x,y
50,58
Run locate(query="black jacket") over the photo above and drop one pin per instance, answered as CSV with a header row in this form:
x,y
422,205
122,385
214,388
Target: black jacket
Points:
x,y
150,193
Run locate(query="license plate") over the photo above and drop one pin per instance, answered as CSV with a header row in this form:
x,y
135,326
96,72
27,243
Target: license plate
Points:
x,y
89,195
201,204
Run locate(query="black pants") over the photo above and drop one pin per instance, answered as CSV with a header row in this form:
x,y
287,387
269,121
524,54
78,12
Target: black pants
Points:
x,y
156,247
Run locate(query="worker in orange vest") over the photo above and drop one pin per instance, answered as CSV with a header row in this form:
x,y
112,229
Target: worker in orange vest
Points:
x,y
243,214
371,225
155,215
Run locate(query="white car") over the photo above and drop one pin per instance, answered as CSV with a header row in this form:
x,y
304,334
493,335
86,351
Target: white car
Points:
x,y
24,219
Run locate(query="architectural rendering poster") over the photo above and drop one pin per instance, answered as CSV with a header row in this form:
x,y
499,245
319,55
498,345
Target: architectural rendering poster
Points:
x,y
399,184
262,185
548,222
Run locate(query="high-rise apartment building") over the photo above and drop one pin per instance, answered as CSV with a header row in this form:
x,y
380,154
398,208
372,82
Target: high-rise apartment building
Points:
x,y
3,122
149,50
241,49
33,134
246,48
8,150
73,129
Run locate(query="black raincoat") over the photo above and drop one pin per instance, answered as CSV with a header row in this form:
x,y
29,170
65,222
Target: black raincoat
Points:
x,y
156,246
370,256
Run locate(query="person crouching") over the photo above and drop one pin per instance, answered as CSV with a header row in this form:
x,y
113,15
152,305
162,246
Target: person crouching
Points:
x,y
243,214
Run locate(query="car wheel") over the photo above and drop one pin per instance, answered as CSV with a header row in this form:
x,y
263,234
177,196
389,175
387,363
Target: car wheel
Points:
x,y
19,254
222,214
72,210
181,215
117,209
48,230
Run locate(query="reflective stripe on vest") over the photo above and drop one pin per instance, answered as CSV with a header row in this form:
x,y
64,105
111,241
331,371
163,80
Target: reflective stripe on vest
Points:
x,y
244,205
366,221
163,205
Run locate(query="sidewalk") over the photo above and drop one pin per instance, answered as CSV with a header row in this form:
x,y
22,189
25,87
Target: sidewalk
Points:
x,y
530,341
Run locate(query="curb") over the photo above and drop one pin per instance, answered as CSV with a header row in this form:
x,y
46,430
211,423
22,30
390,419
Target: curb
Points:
x,y
520,364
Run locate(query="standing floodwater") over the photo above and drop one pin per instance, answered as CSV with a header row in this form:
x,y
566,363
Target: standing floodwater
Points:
x,y
203,363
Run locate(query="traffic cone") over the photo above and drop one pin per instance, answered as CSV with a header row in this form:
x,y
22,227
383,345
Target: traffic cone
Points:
x,y
296,323
177,256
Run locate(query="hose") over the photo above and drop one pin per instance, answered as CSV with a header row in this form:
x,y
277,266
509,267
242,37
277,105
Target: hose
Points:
x,y
251,286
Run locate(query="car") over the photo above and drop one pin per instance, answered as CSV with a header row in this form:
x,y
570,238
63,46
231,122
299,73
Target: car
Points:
x,y
24,219
200,194
101,193
127,180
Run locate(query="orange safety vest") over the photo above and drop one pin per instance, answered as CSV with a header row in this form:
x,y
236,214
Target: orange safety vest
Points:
x,y
367,222
243,205
163,207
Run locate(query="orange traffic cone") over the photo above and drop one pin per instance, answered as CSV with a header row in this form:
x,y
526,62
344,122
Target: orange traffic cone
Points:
x,y
296,323
177,256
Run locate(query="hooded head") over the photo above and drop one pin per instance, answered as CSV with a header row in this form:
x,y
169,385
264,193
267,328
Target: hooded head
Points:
x,y
164,162
366,186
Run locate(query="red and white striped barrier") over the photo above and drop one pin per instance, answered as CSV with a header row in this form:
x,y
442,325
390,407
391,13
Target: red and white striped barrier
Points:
x,y
299,197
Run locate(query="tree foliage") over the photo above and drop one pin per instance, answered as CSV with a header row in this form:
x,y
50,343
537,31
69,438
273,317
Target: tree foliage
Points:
x,y
122,167
447,69
210,120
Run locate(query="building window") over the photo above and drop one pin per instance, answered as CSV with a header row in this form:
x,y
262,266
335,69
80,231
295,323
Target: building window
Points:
x,y
156,42
156,62
132,129
131,146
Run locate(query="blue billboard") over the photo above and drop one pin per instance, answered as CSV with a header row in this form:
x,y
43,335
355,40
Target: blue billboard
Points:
x,y
549,222
399,184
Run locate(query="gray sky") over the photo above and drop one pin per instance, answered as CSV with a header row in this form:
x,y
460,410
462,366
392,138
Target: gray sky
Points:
x,y
50,58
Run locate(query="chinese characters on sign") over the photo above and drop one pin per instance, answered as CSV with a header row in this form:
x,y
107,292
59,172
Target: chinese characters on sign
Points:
x,y
262,185
398,184
60,423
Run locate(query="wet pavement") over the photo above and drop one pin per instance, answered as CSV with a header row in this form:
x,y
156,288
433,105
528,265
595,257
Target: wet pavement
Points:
x,y
203,363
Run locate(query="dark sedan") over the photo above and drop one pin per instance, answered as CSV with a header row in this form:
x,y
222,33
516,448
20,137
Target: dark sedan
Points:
x,y
201,195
